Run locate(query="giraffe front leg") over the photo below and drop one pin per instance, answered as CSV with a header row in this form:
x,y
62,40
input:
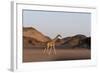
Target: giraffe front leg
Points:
x,y
49,50
54,50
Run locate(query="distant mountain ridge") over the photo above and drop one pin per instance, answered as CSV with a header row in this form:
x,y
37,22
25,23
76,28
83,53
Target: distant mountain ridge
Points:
x,y
33,37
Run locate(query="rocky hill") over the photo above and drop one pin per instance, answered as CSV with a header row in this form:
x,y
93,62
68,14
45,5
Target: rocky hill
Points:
x,y
76,41
32,37
35,38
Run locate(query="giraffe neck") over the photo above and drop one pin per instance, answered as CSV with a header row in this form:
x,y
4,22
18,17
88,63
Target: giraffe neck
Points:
x,y
55,38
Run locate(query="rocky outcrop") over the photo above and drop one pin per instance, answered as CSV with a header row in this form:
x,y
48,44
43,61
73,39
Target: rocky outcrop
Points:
x,y
77,41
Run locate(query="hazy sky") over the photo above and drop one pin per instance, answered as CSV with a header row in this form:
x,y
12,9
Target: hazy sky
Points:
x,y
53,23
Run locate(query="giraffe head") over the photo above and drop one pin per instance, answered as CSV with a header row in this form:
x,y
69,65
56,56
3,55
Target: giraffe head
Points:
x,y
59,36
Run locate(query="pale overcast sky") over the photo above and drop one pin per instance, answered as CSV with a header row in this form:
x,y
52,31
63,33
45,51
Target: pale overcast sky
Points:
x,y
53,23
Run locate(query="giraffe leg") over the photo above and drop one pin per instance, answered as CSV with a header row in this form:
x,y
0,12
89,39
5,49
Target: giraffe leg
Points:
x,y
50,49
47,50
44,50
54,50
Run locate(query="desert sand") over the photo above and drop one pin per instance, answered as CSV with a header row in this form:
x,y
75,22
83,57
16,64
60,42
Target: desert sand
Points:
x,y
36,55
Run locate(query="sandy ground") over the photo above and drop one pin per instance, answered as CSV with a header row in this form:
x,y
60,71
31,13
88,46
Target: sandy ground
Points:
x,y
36,55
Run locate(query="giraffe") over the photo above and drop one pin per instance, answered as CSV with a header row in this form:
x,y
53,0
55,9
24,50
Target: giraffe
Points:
x,y
50,45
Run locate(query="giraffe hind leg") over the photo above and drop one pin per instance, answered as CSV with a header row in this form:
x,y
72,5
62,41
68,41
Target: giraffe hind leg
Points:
x,y
50,50
44,51
54,50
